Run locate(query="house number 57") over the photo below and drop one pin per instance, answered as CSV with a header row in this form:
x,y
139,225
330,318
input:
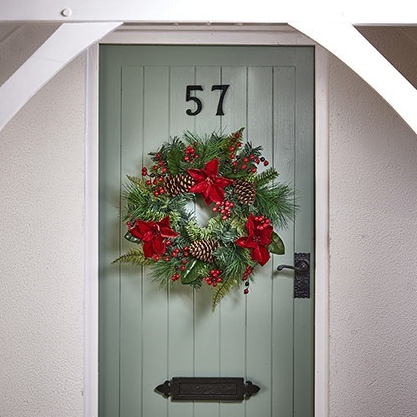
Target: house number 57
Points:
x,y
199,104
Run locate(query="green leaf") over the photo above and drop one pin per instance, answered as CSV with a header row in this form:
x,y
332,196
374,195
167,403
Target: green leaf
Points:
x,y
128,236
134,256
174,160
191,273
277,245
221,291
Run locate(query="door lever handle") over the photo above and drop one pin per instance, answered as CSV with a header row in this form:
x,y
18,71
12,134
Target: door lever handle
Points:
x,y
301,266
301,270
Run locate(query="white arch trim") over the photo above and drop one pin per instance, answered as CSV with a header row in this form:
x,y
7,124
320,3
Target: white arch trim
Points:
x,y
344,41
69,40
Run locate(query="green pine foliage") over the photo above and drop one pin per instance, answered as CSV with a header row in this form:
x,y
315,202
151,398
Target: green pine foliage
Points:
x,y
134,256
221,290
264,177
277,203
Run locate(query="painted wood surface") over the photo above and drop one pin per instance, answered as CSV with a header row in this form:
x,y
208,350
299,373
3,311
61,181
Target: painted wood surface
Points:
x,y
147,334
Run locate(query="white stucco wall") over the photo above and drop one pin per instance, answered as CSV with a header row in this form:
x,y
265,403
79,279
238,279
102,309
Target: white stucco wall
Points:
x,y
373,246
41,251
373,232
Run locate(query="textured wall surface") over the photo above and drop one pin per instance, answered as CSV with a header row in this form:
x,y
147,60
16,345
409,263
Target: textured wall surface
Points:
x,y
373,231
41,251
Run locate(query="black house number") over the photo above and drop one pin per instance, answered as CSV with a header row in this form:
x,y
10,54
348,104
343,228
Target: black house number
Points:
x,y
199,104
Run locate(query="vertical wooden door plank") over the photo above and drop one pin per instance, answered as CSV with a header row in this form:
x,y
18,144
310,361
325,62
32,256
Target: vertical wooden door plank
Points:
x,y
155,311
283,282
109,227
131,276
207,121
235,101
304,233
232,307
206,326
180,308
259,302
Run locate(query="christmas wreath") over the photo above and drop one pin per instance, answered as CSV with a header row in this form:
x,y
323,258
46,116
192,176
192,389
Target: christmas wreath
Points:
x,y
218,172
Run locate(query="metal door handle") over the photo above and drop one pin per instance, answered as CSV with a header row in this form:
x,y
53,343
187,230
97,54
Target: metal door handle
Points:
x,y
301,268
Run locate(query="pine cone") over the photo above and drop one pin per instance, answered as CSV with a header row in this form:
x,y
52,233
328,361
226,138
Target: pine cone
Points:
x,y
203,249
245,192
178,184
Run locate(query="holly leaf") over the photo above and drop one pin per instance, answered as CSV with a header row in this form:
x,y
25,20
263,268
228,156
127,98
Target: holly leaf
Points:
x,y
277,245
191,272
174,161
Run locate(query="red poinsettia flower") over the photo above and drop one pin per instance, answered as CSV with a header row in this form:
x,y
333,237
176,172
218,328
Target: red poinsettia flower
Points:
x,y
208,182
153,234
259,237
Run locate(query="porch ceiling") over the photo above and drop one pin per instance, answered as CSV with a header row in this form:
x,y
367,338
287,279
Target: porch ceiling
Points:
x,y
342,39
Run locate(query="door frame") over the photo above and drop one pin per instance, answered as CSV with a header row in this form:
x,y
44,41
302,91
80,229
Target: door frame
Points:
x,y
209,35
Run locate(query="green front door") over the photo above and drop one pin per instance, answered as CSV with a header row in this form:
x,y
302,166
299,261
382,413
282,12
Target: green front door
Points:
x,y
149,335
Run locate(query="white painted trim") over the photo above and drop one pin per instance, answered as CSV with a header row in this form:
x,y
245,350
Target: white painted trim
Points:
x,y
209,34
69,40
322,235
365,12
345,42
91,238
322,230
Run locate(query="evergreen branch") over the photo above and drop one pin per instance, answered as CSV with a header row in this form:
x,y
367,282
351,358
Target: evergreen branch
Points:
x,y
134,256
277,203
162,272
193,231
221,290
263,178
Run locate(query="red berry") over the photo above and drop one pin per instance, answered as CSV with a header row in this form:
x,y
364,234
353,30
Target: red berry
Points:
x,y
266,163
244,166
186,158
245,291
156,194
